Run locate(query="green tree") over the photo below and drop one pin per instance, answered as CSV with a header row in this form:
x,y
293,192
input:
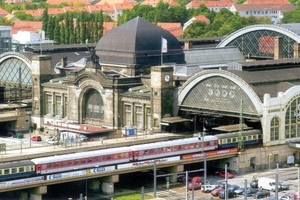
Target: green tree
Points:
x,y
21,15
45,18
5,22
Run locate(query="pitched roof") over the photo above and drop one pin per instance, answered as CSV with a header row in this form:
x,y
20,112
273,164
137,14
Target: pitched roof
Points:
x,y
266,2
111,2
56,2
155,2
15,30
3,12
262,7
202,18
34,24
209,4
174,28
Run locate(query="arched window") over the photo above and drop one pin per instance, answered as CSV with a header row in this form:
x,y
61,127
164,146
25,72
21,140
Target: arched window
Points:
x,y
292,119
274,132
94,105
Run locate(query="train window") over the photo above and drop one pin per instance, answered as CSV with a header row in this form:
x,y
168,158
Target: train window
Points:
x,y
56,164
76,162
21,169
186,146
102,157
158,150
179,147
169,148
83,160
245,138
254,137
90,159
192,146
233,139
63,163
174,148
151,151
49,165
108,157
229,140
6,171
96,158
259,136
116,156
164,149
145,152
14,170
197,145
0,172
70,162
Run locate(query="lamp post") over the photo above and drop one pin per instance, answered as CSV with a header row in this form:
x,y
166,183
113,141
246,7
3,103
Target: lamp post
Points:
x,y
269,161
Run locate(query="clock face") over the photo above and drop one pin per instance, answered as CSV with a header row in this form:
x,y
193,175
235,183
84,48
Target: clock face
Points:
x,y
155,78
167,78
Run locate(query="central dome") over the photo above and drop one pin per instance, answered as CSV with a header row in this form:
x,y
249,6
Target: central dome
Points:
x,y
138,43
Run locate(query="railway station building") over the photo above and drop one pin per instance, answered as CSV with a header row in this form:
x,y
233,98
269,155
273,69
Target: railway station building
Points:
x,y
250,80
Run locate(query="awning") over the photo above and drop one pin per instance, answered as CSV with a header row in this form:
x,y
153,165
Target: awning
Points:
x,y
173,120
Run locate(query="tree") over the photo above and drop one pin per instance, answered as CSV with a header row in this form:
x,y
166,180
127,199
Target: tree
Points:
x,y
21,15
5,22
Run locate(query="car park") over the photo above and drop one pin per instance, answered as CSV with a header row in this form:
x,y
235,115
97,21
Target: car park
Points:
x,y
230,194
36,138
262,194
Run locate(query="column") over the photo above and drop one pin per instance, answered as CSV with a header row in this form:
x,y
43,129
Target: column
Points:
x,y
108,184
94,185
36,193
175,169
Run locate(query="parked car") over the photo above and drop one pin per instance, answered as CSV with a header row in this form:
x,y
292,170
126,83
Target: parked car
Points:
x,y
222,174
208,188
233,187
222,185
262,194
230,194
251,191
196,179
196,185
283,186
52,141
36,138
239,191
216,191
254,184
18,135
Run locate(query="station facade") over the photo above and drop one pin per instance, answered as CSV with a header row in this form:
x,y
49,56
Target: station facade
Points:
x,y
127,81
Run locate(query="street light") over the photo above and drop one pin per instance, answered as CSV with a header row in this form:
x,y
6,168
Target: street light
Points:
x,y
269,161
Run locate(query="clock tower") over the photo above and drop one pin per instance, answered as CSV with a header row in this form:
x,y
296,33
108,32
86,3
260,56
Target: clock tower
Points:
x,y
162,94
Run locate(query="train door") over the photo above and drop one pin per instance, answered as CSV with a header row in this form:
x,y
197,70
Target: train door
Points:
x,y
38,169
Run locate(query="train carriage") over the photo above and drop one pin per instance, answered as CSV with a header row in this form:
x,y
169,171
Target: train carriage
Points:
x,y
250,137
90,159
16,169
173,147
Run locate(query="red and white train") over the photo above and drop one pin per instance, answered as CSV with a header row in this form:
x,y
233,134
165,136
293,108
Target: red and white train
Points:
x,y
114,156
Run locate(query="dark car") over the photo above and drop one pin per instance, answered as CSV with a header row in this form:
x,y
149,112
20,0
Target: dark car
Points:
x,y
251,192
230,194
18,135
240,190
254,184
222,185
262,194
283,186
233,187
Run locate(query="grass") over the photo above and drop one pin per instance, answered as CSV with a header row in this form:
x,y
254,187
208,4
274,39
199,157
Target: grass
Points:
x,y
132,196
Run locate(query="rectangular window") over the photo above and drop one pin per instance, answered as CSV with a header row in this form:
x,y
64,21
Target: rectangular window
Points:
x,y
58,104
128,115
276,158
21,169
49,104
76,162
90,160
49,165
70,162
14,170
6,171
148,124
56,164
66,107
96,159
139,117
63,163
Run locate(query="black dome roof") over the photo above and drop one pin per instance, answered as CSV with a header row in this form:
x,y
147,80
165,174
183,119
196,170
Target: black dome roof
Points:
x,y
135,39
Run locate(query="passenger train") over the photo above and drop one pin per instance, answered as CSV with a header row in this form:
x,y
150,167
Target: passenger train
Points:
x,y
114,156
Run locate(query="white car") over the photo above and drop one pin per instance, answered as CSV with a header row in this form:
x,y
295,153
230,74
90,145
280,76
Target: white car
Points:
x,y
52,141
